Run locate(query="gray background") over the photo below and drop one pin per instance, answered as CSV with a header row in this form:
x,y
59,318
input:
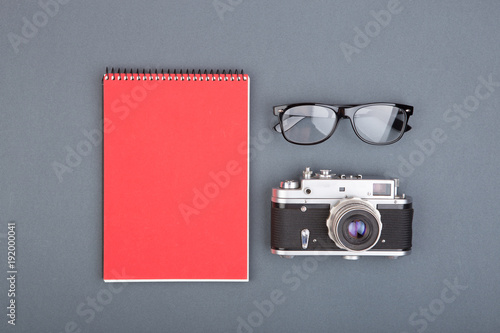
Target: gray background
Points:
x,y
430,55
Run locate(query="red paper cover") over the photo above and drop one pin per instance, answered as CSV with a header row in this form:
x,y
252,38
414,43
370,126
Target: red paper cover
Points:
x,y
175,177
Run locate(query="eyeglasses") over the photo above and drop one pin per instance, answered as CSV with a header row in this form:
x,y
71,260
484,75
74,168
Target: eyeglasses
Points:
x,y
311,123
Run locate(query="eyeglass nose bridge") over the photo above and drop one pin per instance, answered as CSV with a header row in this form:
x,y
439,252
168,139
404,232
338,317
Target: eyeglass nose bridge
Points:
x,y
346,112
341,114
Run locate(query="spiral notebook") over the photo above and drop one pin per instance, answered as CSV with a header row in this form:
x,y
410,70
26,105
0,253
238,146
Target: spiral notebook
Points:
x,y
175,175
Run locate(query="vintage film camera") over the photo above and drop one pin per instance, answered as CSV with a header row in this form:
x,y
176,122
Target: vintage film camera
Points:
x,y
339,215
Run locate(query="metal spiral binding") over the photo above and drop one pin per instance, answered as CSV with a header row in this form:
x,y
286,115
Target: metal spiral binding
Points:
x,y
174,76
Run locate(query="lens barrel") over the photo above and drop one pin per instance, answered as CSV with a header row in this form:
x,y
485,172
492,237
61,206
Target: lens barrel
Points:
x,y
354,224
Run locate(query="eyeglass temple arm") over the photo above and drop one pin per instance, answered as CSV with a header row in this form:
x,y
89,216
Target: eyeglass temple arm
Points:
x,y
409,111
288,123
398,125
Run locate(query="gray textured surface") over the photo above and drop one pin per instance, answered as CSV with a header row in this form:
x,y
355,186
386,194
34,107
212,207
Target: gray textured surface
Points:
x,y
430,55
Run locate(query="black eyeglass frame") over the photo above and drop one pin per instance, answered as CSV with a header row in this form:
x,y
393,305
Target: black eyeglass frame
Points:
x,y
342,112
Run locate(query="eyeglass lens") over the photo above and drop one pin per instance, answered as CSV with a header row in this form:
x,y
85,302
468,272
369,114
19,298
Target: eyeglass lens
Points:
x,y
379,123
308,123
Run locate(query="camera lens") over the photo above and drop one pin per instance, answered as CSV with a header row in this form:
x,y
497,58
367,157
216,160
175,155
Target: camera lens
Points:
x,y
354,225
357,229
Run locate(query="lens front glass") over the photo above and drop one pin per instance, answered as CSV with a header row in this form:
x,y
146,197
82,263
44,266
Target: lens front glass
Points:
x,y
308,124
357,229
380,123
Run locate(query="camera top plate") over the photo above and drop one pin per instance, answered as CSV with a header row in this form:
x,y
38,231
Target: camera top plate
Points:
x,y
318,187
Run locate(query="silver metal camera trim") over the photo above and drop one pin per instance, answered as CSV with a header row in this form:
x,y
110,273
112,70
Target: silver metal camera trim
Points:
x,y
344,253
336,188
332,202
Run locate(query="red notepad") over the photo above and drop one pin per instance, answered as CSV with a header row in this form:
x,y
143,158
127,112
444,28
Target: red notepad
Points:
x,y
175,176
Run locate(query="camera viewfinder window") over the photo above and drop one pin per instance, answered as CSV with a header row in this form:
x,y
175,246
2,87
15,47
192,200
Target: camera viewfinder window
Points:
x,y
381,189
